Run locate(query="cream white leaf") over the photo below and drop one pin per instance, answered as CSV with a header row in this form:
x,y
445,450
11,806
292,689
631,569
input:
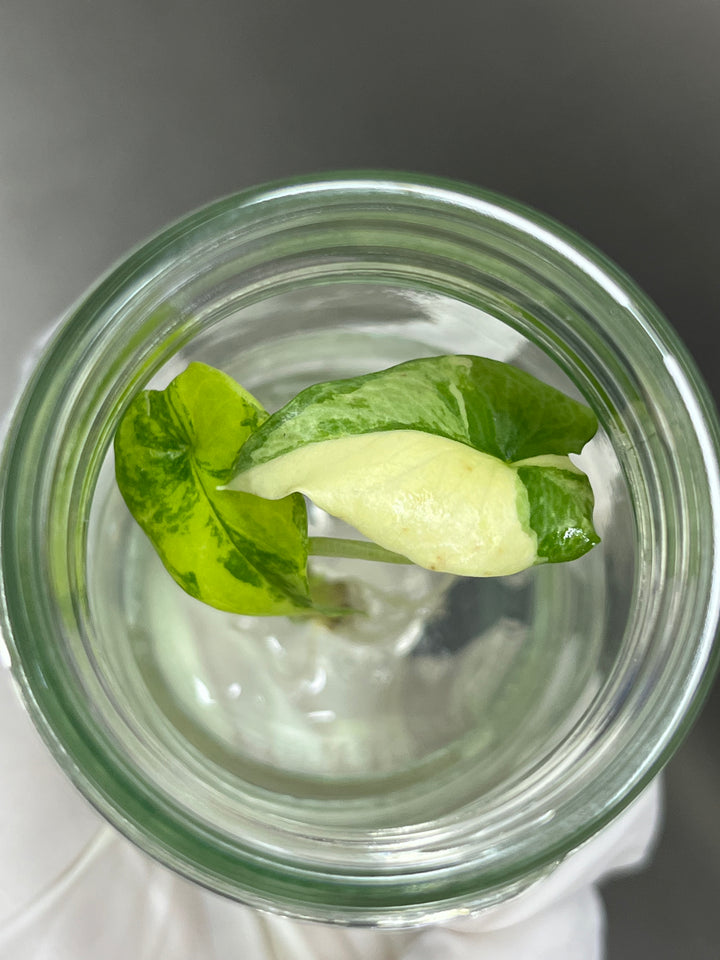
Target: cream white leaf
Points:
x,y
441,503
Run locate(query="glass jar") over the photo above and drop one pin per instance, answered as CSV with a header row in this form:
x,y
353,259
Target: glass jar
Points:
x,y
444,751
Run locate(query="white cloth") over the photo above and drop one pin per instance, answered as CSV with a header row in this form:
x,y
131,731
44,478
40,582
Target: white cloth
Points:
x,y
71,888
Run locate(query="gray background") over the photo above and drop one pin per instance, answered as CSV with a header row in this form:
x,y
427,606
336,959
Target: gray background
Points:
x,y
117,117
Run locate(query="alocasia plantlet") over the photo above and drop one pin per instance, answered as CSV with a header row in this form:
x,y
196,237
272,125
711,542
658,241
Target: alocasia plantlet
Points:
x,y
459,464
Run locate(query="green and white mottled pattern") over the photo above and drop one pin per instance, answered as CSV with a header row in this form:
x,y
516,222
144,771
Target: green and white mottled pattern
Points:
x,y
490,406
458,463
234,551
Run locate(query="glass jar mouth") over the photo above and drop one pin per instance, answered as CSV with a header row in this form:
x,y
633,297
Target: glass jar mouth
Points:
x,y
575,306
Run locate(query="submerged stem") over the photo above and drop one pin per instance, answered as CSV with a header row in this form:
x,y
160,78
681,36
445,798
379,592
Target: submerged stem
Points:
x,y
352,550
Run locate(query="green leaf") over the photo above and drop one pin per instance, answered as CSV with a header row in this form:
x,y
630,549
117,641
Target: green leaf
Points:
x,y
234,551
488,405
458,463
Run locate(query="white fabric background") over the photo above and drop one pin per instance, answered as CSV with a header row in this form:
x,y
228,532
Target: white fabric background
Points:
x,y
71,888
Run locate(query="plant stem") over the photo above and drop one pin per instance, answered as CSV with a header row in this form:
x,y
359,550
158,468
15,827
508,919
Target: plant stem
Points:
x,y
352,550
